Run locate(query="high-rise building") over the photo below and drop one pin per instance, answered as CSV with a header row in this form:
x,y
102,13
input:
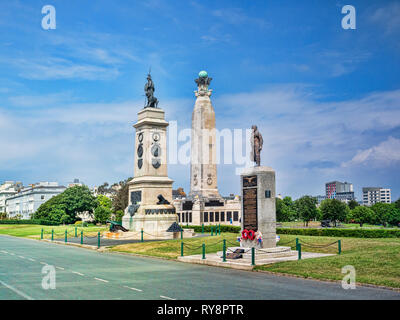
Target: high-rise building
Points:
x,y
342,191
372,195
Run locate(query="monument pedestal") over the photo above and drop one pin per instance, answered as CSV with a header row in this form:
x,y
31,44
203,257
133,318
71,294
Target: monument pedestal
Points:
x,y
150,191
258,206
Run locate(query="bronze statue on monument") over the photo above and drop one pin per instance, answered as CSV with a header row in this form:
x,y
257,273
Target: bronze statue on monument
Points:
x,y
152,101
256,145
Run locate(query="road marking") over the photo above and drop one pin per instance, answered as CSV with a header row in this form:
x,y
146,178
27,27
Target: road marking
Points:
x,y
13,254
60,268
168,298
16,291
101,280
133,289
21,257
30,259
4,251
78,273
44,263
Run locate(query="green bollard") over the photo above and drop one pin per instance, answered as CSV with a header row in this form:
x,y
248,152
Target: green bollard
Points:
x,y
339,246
219,229
81,237
181,249
141,238
66,239
224,252
253,256
52,234
204,251
212,231
76,232
98,240
181,234
299,251
41,235
202,228
297,243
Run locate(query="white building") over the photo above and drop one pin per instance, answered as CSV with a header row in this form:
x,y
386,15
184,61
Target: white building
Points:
x,y
7,190
28,200
372,195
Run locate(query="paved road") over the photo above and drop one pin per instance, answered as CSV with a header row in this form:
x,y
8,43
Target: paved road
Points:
x,y
87,274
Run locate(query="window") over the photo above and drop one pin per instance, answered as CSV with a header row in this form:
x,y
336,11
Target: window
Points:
x,y
190,216
42,197
211,216
187,216
179,217
217,216
222,216
183,217
228,216
235,216
205,216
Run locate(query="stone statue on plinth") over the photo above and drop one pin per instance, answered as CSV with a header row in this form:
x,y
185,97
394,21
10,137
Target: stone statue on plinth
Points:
x,y
256,145
152,101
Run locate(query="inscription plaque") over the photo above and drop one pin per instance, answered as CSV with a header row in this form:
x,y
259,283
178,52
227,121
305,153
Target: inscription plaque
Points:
x,y
136,196
250,209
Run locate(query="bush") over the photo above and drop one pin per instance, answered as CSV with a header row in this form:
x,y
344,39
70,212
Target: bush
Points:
x,y
333,232
102,214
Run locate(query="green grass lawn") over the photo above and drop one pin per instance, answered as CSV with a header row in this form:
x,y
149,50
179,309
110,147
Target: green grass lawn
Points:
x,y
317,224
171,249
376,261
34,231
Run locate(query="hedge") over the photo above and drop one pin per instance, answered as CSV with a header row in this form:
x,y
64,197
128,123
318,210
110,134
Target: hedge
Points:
x,y
334,232
325,232
224,228
36,222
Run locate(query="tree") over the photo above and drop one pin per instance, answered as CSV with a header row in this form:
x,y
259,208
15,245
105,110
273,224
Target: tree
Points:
x,y
121,199
361,215
102,214
306,208
334,210
397,203
285,210
104,201
386,213
352,204
64,207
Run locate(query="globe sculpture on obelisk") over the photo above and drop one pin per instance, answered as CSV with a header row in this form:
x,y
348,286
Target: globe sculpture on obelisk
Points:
x,y
150,191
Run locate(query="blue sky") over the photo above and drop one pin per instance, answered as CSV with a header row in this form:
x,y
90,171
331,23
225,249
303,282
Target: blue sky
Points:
x,y
327,100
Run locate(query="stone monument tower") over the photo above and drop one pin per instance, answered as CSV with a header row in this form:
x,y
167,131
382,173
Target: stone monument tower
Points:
x,y
150,191
203,170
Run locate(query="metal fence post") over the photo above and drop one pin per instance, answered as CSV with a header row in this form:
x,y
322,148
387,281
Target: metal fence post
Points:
x,y
297,243
141,237
41,235
81,237
66,232
202,228
98,240
212,231
181,234
299,251
253,256
204,251
339,246
76,232
52,234
224,253
219,229
182,249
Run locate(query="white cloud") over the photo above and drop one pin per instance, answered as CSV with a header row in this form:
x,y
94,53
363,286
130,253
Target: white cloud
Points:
x,y
384,154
